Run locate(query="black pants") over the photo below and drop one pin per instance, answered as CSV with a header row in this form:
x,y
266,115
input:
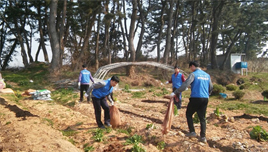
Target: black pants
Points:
x,y
98,103
198,105
178,104
83,88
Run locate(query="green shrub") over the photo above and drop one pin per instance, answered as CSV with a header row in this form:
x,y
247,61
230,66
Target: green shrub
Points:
x,y
88,148
98,135
135,139
148,126
138,94
217,112
161,145
265,93
231,87
217,88
238,94
259,134
126,89
137,148
244,86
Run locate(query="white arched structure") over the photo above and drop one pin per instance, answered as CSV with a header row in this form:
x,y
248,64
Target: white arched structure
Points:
x,y
104,70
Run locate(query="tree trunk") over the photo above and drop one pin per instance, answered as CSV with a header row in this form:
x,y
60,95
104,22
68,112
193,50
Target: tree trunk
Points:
x,y
61,34
143,20
161,29
228,52
131,36
216,13
168,36
97,43
7,58
37,52
174,33
54,39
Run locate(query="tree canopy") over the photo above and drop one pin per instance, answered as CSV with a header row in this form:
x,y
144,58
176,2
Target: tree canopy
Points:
x,y
87,32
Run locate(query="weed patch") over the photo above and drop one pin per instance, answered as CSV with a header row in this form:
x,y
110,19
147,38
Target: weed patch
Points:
x,y
138,94
259,134
98,135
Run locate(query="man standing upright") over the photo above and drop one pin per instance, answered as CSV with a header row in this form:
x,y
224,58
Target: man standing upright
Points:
x,y
177,79
83,81
201,86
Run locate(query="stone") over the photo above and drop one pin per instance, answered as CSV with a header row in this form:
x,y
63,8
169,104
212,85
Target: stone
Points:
x,y
255,120
231,119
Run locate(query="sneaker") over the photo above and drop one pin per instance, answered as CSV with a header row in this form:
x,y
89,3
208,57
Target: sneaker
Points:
x,y
203,140
102,127
108,124
191,135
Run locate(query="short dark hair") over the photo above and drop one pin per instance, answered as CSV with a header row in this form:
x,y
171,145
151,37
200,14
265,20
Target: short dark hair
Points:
x,y
193,63
84,66
176,67
115,78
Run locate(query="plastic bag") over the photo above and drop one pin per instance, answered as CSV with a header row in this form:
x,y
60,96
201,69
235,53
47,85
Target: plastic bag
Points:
x,y
166,126
114,117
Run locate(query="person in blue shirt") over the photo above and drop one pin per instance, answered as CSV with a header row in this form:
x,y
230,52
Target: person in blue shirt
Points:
x,y
83,81
201,87
177,79
101,90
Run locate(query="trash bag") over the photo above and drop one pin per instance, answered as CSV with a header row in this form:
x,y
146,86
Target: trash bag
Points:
x,y
166,126
114,116
2,84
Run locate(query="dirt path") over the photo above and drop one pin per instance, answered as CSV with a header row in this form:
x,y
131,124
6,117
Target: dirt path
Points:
x,y
38,125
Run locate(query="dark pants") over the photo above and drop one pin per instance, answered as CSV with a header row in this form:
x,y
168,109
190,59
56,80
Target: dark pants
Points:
x,y
98,103
178,104
198,105
83,88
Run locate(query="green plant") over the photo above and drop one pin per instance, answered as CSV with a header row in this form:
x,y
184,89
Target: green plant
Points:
x,y
137,148
50,122
126,89
161,145
69,132
238,94
164,91
148,126
217,88
23,82
79,123
125,131
231,87
138,94
244,86
71,104
71,140
88,148
108,129
134,139
98,135
259,134
217,112
196,118
7,123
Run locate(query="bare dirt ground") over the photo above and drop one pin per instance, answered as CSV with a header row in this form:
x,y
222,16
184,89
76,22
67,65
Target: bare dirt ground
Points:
x,y
35,125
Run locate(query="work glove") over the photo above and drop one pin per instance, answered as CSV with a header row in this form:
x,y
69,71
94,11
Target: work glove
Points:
x,y
172,94
167,82
78,85
86,95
